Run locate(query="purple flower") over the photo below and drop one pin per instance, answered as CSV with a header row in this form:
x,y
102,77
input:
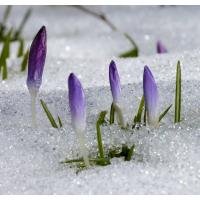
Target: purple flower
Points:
x,y
36,61
150,96
114,82
160,47
77,103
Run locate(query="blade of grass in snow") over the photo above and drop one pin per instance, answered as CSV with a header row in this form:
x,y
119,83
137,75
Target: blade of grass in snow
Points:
x,y
138,116
4,71
6,47
112,114
22,24
21,48
60,122
6,14
177,117
99,122
164,113
49,115
25,61
130,153
131,53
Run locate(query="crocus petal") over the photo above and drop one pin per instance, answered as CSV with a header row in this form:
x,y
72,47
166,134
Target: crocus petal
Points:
x,y
150,96
77,103
36,60
161,48
114,82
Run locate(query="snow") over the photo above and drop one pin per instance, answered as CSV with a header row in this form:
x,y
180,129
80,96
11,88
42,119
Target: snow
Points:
x,y
166,159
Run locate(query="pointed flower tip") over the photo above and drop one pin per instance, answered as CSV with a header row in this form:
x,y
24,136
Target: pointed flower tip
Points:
x,y
150,96
36,60
115,85
160,47
77,103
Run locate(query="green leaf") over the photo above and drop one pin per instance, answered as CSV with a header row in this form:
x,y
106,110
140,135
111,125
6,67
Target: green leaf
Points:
x,y
131,53
99,122
4,70
138,116
130,153
6,14
6,46
22,24
60,122
21,48
177,117
25,61
164,113
49,115
112,114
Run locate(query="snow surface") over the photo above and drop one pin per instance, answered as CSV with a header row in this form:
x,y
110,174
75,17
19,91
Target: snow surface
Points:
x,y
166,159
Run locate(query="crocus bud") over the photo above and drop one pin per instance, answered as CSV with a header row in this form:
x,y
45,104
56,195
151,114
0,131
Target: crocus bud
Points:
x,y
78,113
114,82
150,97
36,61
77,103
160,47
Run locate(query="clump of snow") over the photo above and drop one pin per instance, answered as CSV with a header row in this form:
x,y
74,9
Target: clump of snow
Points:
x,y
166,160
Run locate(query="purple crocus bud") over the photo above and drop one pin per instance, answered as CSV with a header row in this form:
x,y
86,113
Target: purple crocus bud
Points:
x,y
77,103
36,61
150,96
160,47
114,82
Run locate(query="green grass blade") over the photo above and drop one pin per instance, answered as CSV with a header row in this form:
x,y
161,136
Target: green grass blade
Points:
x,y
130,153
60,122
6,14
177,117
112,114
164,113
99,122
6,46
49,115
22,24
131,53
138,116
4,70
21,48
25,61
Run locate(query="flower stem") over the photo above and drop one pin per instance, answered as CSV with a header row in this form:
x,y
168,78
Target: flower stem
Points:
x,y
82,146
33,109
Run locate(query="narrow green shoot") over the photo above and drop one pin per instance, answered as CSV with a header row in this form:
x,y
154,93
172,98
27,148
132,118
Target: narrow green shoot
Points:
x,y
99,122
25,61
130,153
21,48
60,122
131,53
177,117
164,113
138,116
49,115
112,114
6,46
4,70
22,24
6,14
